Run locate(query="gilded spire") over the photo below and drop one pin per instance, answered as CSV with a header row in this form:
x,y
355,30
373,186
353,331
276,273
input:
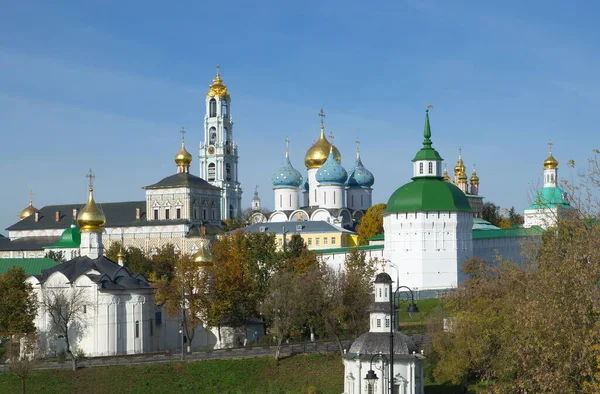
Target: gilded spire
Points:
x,y
91,217
460,165
217,88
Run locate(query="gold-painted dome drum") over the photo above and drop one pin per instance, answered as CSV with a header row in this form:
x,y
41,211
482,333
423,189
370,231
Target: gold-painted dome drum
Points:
x,y
91,217
183,157
318,153
25,213
550,162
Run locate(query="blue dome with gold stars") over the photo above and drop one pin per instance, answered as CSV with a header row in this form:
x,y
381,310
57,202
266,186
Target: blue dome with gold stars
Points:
x,y
360,177
331,172
286,175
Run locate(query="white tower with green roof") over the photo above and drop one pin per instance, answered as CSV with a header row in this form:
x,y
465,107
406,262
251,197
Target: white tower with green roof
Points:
x,y
428,224
549,203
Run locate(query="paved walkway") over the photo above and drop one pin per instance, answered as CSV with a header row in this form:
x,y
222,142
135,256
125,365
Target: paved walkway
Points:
x,y
217,354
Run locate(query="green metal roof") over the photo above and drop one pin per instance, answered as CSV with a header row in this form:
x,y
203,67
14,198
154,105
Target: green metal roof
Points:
x,y
550,197
30,266
347,249
534,231
378,237
480,224
70,238
428,194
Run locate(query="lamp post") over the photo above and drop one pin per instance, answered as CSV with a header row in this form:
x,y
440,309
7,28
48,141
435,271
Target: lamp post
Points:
x,y
371,377
412,308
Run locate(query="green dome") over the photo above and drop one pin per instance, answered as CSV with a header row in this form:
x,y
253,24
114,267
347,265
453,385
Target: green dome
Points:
x,y
427,194
70,238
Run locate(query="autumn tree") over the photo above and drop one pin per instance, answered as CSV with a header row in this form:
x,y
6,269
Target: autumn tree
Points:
x,y
66,307
372,222
233,290
263,259
529,328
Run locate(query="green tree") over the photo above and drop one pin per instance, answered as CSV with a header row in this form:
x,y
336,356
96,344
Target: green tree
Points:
x,y
372,223
263,259
357,287
491,213
18,304
295,246
56,256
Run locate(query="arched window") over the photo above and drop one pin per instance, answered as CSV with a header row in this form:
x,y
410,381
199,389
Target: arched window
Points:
x,y
212,135
211,172
212,108
224,108
431,167
231,211
420,168
228,171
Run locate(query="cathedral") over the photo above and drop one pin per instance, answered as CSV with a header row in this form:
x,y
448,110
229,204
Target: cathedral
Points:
x,y
328,193
181,209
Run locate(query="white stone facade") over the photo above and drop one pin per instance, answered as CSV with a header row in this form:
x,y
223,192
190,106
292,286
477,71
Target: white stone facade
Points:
x,y
429,247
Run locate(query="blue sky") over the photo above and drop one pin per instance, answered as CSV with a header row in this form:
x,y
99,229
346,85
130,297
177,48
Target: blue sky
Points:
x,y
108,84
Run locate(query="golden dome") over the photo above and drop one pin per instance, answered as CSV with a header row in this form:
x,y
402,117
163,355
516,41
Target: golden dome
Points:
x,y
203,256
446,176
317,154
121,254
183,157
217,88
550,163
91,217
462,178
474,178
29,210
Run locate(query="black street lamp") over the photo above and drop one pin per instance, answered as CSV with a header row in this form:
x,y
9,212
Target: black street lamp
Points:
x,y
412,308
371,377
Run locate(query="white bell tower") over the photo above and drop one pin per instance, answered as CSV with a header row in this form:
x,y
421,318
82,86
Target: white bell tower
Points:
x,y
218,152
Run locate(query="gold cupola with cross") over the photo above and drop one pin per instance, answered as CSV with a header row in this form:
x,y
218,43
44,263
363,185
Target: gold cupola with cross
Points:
x,y
183,158
91,217
318,152
29,210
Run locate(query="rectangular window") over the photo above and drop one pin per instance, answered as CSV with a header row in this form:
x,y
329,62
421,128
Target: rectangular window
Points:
x,y
324,240
204,214
85,309
317,241
155,214
324,198
430,167
378,323
167,212
387,323
333,240
137,328
309,241
178,213
151,328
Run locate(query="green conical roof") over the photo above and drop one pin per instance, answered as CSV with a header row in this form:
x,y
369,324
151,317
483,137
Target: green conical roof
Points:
x,y
427,152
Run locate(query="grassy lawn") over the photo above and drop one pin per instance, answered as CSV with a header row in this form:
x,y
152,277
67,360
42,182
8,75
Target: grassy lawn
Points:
x,y
296,374
426,308
313,373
